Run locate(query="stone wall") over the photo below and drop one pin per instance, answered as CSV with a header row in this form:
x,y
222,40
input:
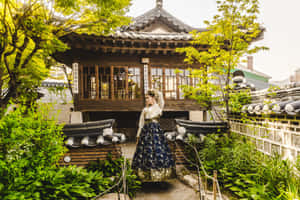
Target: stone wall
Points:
x,y
60,103
84,155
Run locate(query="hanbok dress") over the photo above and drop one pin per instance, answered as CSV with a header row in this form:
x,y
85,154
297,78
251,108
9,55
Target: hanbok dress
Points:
x,y
152,160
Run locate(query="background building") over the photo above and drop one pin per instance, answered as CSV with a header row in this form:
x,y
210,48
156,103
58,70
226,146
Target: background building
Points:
x,y
256,79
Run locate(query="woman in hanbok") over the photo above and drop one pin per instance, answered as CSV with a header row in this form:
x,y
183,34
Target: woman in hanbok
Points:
x,y
153,159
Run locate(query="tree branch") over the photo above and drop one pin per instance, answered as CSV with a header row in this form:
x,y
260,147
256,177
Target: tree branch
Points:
x,y
20,52
29,57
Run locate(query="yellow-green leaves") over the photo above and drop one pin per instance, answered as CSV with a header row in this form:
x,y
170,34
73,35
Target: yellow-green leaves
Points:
x,y
31,32
219,49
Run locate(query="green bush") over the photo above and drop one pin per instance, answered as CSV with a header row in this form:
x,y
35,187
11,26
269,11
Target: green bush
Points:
x,y
113,168
59,183
30,147
246,172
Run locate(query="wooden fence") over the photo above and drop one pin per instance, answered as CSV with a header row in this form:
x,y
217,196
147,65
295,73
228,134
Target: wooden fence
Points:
x,y
281,135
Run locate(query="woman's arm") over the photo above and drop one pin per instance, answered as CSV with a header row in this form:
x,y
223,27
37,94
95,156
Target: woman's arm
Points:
x,y
160,100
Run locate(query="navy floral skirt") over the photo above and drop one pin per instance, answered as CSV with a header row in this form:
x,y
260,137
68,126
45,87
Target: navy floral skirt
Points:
x,y
153,159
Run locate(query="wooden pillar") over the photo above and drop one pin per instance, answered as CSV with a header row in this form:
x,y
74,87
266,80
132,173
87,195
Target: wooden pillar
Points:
x,y
142,79
86,82
97,81
81,81
164,82
126,83
177,85
112,82
148,72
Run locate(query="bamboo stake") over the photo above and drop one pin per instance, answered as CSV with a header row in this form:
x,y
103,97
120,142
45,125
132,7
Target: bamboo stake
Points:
x,y
215,185
205,184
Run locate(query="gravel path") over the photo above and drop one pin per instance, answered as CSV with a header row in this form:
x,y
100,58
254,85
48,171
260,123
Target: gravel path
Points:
x,y
171,190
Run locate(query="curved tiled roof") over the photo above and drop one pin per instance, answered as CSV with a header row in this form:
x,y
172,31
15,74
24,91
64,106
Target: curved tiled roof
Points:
x,y
285,102
149,17
151,36
91,134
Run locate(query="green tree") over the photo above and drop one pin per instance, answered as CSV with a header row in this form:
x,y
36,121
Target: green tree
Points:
x,y
30,33
227,39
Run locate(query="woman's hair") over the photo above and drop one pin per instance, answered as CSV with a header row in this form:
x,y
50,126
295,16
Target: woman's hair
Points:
x,y
151,93
158,96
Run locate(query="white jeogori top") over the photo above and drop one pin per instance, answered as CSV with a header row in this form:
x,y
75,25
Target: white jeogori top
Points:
x,y
151,112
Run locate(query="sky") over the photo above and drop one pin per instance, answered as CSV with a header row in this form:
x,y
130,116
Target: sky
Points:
x,y
279,17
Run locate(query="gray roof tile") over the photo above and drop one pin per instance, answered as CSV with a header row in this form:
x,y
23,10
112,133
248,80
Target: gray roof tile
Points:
x,y
151,36
149,17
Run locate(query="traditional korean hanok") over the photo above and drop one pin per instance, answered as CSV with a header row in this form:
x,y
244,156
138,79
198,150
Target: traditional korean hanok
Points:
x,y
113,73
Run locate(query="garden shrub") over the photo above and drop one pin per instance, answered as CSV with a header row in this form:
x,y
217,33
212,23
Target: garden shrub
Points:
x,y
30,148
246,172
29,145
113,168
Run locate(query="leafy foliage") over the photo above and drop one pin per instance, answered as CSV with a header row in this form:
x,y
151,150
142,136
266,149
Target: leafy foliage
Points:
x,y
30,147
226,40
113,168
246,172
31,31
30,144
238,99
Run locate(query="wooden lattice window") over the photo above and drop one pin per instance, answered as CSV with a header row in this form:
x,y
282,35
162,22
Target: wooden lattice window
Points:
x,y
184,79
156,78
170,84
167,80
89,82
120,82
104,82
134,83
